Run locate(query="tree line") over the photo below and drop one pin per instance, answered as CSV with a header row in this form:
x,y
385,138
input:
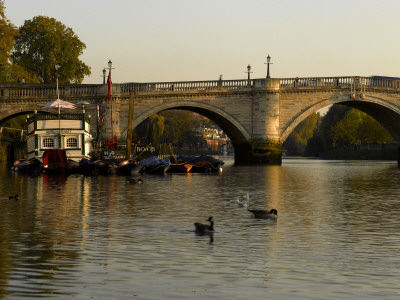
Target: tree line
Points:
x,y
176,127
44,48
342,128
40,50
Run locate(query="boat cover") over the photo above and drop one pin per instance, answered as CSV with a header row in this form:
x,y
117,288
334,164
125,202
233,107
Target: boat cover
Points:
x,y
55,159
200,159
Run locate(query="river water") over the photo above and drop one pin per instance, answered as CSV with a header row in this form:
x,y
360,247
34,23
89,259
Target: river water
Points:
x,y
337,235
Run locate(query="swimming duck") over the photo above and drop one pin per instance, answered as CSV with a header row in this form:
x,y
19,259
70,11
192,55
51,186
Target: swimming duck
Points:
x,y
13,197
264,214
205,228
243,203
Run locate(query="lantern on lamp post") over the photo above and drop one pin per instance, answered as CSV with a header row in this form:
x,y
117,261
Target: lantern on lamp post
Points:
x,y
248,75
268,63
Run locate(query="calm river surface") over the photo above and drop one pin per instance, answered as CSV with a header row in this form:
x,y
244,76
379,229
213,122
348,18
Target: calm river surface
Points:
x,y
337,235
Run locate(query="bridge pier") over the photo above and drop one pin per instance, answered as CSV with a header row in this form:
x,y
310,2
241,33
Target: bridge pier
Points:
x,y
264,147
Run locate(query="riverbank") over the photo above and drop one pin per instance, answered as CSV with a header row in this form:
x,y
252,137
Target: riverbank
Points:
x,y
360,154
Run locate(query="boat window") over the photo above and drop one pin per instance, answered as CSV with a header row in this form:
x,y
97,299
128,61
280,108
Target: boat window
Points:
x,y
72,142
48,143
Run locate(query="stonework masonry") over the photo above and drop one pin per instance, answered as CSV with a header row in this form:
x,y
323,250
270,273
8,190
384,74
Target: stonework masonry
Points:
x,y
257,115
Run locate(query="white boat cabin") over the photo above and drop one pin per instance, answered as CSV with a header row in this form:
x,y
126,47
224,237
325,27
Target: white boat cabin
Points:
x,y
65,131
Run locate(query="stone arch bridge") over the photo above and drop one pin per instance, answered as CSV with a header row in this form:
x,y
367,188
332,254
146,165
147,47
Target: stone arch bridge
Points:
x,y
257,115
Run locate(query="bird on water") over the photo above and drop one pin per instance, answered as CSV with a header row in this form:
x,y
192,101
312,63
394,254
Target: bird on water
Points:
x,y
264,214
205,228
13,197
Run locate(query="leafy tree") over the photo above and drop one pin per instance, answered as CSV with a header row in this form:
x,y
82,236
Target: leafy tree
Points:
x,y
297,141
176,127
370,131
11,73
151,129
344,126
180,127
345,132
156,128
42,43
7,35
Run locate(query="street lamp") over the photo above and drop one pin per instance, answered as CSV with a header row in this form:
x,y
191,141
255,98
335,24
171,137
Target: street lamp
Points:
x,y
104,75
109,65
248,74
268,63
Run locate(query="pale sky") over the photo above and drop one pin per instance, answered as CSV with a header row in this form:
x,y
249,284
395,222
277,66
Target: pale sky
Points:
x,y
185,40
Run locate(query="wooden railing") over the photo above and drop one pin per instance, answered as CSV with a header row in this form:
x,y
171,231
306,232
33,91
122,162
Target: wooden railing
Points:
x,y
78,91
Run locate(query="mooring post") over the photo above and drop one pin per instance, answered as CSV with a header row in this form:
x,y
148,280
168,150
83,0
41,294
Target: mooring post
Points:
x,y
130,124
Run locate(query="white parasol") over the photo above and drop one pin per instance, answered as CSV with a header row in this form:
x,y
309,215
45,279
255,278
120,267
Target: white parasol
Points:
x,y
58,103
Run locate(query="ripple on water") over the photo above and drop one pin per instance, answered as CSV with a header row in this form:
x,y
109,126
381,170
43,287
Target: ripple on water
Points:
x,y
87,237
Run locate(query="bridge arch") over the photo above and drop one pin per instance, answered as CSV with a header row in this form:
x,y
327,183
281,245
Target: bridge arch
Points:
x,y
23,110
386,113
233,128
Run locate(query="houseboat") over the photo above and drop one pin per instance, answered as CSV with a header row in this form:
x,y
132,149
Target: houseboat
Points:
x,y
70,132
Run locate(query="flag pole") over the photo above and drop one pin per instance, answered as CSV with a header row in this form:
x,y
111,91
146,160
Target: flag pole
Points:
x,y
109,95
59,115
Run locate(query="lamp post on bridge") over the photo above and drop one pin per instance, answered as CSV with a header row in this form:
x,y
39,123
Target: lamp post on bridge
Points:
x,y
248,74
268,63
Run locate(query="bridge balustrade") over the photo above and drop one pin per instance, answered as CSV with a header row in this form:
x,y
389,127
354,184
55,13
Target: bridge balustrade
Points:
x,y
342,82
49,91
186,86
37,90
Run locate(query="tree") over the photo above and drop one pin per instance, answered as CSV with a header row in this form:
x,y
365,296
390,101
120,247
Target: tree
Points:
x,y
297,141
179,127
7,35
345,132
156,127
42,43
370,131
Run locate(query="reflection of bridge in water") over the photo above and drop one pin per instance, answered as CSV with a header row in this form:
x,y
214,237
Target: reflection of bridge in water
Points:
x,y
257,115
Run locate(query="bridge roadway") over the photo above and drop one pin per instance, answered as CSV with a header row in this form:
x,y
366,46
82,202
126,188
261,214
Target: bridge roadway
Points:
x,y
257,115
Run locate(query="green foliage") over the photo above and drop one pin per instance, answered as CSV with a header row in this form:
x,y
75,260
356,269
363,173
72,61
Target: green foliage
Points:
x,y
343,127
42,43
7,35
370,131
176,127
156,128
345,132
11,73
297,141
180,127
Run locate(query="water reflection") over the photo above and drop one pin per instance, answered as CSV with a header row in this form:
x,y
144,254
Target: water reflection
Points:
x,y
337,234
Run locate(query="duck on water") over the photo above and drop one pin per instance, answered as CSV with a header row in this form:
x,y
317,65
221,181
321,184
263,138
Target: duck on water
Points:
x,y
264,214
205,228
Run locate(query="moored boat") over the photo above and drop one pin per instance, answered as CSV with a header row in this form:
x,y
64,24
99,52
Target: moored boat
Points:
x,y
128,168
180,167
155,165
202,163
55,162
33,166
